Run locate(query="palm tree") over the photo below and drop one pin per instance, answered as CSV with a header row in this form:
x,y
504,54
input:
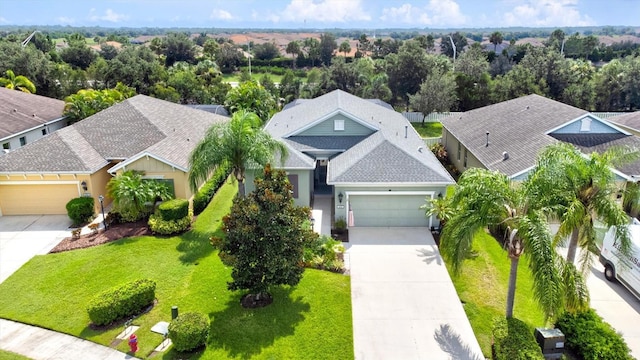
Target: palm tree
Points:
x,y
495,39
236,144
484,198
579,190
17,83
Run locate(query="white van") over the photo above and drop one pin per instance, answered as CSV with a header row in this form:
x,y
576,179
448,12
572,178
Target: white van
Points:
x,y
618,266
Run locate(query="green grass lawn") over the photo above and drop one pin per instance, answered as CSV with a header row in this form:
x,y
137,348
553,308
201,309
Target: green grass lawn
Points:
x,y
6,355
309,321
430,129
482,287
235,77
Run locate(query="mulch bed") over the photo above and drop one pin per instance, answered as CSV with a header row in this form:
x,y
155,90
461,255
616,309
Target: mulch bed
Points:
x,y
115,232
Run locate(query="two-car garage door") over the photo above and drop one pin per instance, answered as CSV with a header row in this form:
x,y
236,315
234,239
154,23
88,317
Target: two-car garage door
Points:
x,y
36,199
387,210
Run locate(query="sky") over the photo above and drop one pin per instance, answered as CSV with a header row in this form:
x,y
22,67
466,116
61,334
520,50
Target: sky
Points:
x,y
321,14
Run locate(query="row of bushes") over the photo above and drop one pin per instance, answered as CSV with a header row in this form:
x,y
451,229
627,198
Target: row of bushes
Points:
x,y
513,340
122,301
206,192
591,338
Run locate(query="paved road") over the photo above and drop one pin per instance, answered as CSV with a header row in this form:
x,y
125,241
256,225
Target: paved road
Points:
x,y
403,301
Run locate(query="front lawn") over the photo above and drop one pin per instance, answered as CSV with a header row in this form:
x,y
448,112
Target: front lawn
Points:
x,y
482,287
429,130
312,320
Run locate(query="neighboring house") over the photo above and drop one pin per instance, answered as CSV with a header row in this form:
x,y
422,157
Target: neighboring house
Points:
x,y
25,117
628,121
140,133
214,109
361,152
508,136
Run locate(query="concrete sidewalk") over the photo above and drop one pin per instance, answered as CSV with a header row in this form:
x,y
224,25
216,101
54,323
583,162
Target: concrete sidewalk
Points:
x,y
40,344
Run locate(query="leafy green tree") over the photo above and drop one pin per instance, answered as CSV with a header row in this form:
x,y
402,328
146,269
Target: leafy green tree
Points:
x,y
579,190
437,93
135,66
406,70
327,45
268,84
234,144
78,54
266,51
228,57
458,39
293,48
19,82
517,82
483,198
264,240
290,86
344,48
427,42
108,52
251,96
342,76
312,48
178,47
87,102
29,62
496,39
133,196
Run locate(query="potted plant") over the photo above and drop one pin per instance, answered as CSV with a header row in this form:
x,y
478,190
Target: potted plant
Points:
x,y
340,225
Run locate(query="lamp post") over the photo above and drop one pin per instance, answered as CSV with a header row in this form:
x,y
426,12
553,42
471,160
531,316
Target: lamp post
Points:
x,y
104,220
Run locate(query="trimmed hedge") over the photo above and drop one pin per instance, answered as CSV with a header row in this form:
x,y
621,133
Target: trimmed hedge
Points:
x,y
189,331
122,301
513,340
206,192
174,209
169,227
80,209
591,338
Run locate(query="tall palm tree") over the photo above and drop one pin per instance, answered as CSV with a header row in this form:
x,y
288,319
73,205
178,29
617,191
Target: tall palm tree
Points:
x,y
484,198
237,143
496,39
17,83
579,190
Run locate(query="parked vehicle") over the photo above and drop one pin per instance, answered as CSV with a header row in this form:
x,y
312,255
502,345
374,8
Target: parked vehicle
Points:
x,y
624,268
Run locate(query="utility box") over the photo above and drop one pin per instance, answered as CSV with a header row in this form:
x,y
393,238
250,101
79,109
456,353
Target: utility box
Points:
x,y
551,341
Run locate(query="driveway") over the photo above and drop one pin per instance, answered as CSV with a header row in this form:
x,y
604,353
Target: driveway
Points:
x,y
404,303
23,237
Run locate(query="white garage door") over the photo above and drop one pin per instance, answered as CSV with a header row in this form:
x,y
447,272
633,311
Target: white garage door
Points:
x,y
388,210
37,199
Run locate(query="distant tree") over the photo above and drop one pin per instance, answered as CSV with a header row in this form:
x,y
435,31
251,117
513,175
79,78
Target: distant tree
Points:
x,y
312,48
458,39
135,66
178,47
290,86
266,51
228,57
495,39
265,235
364,45
267,83
293,48
108,52
345,48
555,40
426,42
19,82
437,93
78,54
517,82
210,48
88,102
327,46
251,96
43,42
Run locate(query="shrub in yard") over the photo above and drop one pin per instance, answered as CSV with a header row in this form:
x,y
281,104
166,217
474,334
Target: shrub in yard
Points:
x,y
169,227
174,209
189,331
122,301
591,338
325,253
206,192
80,210
513,340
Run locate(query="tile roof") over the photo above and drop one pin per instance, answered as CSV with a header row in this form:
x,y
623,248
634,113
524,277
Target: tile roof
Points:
x,y
20,111
139,125
516,127
396,146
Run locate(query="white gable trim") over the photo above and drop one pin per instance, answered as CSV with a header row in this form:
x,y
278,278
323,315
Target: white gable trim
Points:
x,y
590,115
327,117
137,157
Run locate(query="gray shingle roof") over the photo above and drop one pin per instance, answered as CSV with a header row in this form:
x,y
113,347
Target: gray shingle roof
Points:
x,y
406,155
20,111
139,125
631,120
516,127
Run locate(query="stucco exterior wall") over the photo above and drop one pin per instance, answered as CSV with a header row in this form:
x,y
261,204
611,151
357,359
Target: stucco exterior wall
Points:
x,y
155,169
457,157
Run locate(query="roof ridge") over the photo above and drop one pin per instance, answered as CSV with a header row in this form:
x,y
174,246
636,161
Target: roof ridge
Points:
x,y
73,139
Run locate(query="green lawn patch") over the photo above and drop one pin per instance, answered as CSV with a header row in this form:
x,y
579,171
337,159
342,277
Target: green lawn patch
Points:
x,y
6,355
312,320
430,129
482,287
235,77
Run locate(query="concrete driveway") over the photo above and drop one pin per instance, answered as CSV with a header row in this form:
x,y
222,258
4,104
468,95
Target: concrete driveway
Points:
x,y
23,237
404,303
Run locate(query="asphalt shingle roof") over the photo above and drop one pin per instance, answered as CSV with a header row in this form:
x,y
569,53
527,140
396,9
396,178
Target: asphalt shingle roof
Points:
x,y
631,120
20,111
139,125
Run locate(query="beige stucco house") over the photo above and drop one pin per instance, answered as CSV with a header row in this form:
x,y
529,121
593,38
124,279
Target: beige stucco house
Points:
x,y
140,133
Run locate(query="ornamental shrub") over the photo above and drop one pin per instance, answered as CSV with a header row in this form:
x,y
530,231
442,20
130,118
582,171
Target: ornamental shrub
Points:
x,y
513,340
80,210
169,227
591,338
189,331
174,209
122,301
206,192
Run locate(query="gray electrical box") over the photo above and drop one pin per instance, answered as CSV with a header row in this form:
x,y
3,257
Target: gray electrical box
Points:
x,y
551,342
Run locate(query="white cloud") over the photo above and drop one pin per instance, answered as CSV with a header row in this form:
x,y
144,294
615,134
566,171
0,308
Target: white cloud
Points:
x,y
435,13
325,11
3,20
547,13
256,16
219,14
65,20
109,15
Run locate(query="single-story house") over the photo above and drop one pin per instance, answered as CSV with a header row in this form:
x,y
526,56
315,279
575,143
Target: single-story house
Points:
x,y
628,121
508,136
25,117
140,133
363,154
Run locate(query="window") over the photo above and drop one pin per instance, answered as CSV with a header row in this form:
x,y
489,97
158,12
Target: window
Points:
x,y
465,158
44,131
23,141
459,149
338,125
6,146
293,180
